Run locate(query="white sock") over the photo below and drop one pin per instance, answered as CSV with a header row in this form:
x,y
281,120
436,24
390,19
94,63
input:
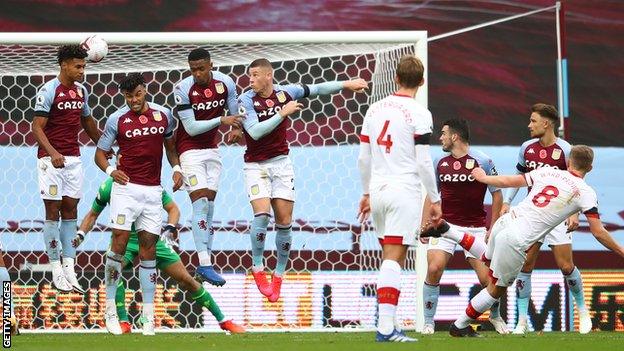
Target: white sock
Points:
x,y
479,304
148,310
204,258
388,291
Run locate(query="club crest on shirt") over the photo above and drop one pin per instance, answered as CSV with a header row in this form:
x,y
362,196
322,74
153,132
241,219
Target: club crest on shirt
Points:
x,y
157,116
556,154
281,97
269,102
208,93
470,163
457,165
543,154
72,94
219,88
142,119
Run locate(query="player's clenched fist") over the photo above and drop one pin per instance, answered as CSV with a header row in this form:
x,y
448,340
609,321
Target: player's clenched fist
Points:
x,y
357,85
290,108
234,121
177,180
58,160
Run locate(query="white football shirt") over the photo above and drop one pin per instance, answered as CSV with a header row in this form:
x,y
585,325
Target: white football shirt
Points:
x,y
391,126
555,195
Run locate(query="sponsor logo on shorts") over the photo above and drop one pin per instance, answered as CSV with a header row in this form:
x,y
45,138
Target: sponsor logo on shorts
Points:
x,y
53,190
121,219
255,189
219,88
193,180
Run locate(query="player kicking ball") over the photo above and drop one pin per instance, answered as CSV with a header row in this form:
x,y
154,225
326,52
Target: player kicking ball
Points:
x,y
269,173
394,161
555,195
167,259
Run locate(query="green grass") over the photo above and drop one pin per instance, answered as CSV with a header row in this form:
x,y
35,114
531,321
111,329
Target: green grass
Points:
x,y
315,341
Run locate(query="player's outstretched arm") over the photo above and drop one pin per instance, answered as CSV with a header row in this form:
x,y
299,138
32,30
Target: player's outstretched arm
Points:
x,y
603,236
501,181
326,88
88,222
173,213
257,129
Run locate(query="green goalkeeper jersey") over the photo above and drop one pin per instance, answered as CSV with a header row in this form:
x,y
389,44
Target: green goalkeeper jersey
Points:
x,y
104,195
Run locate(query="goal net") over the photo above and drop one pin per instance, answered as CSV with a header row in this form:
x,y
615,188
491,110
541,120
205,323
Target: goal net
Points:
x,y
330,282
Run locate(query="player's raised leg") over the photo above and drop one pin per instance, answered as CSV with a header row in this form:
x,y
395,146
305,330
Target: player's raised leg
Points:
x,y
203,235
483,274
169,262
112,275
69,215
283,210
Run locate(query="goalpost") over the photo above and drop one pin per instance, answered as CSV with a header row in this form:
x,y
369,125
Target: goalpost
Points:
x,y
334,261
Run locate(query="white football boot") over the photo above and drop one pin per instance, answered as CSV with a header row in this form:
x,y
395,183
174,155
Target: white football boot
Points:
x,y
499,325
585,322
428,329
59,281
522,327
147,324
70,275
111,319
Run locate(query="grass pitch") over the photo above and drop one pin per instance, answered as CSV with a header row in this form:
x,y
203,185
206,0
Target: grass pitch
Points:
x,y
315,341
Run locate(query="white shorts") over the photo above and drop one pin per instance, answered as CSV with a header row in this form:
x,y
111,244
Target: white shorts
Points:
x,y
54,183
136,204
448,245
201,169
396,214
273,179
506,249
558,236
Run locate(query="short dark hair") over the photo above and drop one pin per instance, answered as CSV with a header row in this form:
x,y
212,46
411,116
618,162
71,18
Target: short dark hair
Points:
x,y
460,127
410,71
131,81
582,157
199,54
546,111
261,62
68,52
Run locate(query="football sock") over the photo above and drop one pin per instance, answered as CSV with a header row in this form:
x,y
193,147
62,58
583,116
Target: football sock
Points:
x,y
258,235
575,284
523,284
201,228
120,301
204,298
67,234
147,278
479,304
283,241
207,261
388,291
112,274
51,236
431,293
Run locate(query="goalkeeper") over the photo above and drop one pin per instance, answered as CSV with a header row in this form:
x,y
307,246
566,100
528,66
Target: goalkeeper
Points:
x,y
167,259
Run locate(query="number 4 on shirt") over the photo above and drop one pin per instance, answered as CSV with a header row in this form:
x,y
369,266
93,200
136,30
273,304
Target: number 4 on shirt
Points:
x,y
385,142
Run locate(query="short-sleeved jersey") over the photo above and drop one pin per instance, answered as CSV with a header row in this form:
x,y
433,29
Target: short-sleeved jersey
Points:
x,y
258,109
103,197
462,196
533,155
555,195
140,138
207,102
63,107
391,126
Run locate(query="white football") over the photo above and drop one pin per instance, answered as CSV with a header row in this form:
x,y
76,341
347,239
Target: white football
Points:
x,y
96,47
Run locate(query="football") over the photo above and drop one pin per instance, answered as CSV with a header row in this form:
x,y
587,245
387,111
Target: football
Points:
x,y
96,47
